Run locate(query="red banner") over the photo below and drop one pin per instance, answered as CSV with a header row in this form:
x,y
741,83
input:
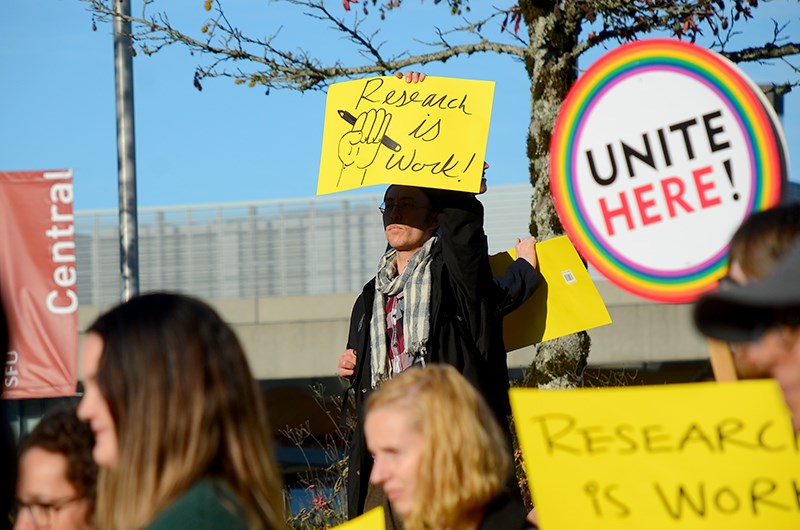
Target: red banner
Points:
x,y
38,282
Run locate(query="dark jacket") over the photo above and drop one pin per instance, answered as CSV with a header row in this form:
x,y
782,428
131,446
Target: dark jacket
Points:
x,y
466,311
505,513
208,504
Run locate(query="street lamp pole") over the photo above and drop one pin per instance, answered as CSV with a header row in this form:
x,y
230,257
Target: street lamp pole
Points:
x,y
126,152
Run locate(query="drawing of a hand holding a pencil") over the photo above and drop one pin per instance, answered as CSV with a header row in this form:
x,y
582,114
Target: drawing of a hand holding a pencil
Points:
x,y
359,146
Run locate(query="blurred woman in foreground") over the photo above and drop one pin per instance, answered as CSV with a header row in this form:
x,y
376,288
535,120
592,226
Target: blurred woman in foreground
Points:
x,y
440,455
181,433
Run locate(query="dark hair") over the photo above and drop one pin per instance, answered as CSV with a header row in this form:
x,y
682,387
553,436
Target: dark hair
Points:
x,y
185,406
431,193
763,238
60,431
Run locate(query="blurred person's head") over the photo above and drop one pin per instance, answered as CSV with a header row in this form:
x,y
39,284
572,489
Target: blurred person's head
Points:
x,y
439,454
755,248
761,241
57,476
171,399
765,314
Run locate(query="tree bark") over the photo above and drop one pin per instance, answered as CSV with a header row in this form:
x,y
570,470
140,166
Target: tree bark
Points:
x,y
552,68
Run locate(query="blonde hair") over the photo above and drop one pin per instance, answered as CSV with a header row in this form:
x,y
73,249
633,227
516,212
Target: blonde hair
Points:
x,y
185,406
466,459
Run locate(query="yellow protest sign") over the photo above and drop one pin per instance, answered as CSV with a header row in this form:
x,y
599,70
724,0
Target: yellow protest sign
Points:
x,y
697,456
383,130
372,520
567,303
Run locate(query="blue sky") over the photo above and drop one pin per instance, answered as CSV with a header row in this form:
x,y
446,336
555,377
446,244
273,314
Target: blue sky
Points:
x,y
231,143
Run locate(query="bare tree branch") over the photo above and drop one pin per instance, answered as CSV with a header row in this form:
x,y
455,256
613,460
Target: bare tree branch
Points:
x,y
765,52
280,68
272,67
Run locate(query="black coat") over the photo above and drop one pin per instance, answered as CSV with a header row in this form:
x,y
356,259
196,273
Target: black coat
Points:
x,y
466,312
505,513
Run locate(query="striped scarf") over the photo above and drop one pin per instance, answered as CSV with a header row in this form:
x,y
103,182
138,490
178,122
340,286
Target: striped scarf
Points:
x,y
415,284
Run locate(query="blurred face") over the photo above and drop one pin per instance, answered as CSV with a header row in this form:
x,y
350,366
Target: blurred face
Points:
x,y
396,447
408,219
779,352
93,408
45,496
747,364
776,355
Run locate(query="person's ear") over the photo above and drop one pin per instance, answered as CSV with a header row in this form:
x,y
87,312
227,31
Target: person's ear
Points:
x,y
435,219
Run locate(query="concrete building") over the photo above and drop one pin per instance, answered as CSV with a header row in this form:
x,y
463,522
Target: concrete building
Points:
x,y
285,275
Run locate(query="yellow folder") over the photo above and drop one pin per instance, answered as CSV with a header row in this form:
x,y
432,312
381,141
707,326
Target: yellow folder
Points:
x,y
372,520
567,303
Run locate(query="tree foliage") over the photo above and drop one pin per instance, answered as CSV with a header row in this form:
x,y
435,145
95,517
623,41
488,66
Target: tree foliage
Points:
x,y
547,37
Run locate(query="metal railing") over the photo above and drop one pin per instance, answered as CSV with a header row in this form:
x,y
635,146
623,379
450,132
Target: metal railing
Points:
x,y
317,245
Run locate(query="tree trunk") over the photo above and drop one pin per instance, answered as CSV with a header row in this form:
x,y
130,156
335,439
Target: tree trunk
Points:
x,y
552,68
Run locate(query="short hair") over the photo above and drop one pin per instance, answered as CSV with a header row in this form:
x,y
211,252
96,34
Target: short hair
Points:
x,y
466,457
431,194
60,431
185,406
763,238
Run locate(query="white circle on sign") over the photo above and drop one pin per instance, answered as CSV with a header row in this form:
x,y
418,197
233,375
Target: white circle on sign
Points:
x,y
661,186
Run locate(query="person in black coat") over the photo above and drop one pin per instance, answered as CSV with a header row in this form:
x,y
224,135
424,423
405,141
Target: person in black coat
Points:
x,y
433,301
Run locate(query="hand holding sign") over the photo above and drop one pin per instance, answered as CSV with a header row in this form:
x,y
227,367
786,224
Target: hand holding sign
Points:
x,y
526,249
568,303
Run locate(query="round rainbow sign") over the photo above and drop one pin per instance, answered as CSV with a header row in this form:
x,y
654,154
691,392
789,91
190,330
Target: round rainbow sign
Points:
x,y
660,150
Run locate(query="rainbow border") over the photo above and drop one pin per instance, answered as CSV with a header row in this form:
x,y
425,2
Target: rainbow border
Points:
x,y
737,92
